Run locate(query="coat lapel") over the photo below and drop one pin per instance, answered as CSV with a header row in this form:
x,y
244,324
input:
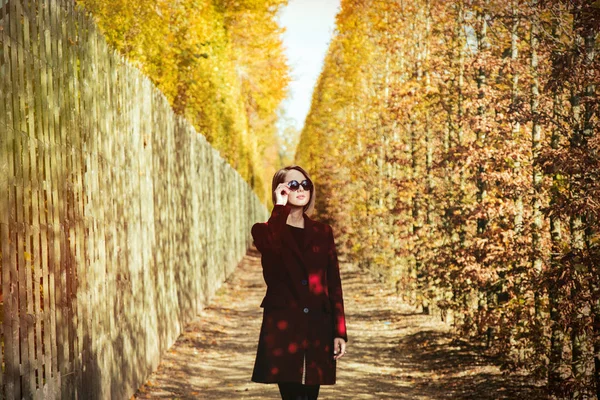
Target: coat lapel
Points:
x,y
309,232
309,235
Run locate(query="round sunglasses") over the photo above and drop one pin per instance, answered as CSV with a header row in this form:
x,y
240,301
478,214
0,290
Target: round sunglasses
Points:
x,y
295,185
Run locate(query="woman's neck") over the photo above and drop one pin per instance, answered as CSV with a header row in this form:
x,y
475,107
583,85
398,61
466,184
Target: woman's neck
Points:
x,y
296,217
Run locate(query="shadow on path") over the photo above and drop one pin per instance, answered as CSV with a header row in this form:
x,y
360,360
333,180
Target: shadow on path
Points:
x,y
393,352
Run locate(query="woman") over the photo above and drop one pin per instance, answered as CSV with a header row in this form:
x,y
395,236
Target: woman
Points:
x,y
303,331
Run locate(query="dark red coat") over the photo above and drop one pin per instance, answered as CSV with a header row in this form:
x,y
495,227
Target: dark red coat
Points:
x,y
303,307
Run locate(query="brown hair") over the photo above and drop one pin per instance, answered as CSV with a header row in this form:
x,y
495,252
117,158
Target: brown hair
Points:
x,y
279,177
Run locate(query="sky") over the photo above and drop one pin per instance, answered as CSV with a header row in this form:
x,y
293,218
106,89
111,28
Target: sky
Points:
x,y
309,28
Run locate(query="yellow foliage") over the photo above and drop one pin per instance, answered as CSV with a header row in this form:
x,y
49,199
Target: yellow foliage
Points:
x,y
219,62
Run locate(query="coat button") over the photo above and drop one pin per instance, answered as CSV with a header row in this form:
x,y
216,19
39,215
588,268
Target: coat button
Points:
x,y
304,282
305,310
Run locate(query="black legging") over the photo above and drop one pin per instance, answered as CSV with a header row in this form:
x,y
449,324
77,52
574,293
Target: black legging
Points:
x,y
298,391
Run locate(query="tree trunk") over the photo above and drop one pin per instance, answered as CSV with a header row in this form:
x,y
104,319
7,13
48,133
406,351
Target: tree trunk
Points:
x,y
485,297
577,229
516,126
557,336
556,379
482,45
536,137
460,112
516,170
460,297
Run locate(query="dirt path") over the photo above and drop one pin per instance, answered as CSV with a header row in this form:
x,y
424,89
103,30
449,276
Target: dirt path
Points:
x,y
393,352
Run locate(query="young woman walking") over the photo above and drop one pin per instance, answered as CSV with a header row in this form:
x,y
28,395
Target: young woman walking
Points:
x,y
303,331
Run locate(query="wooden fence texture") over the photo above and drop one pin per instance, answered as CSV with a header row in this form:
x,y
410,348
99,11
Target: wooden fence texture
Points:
x,y
117,220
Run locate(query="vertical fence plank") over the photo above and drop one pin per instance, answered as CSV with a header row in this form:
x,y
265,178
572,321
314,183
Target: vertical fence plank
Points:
x,y
78,128
4,215
60,260
44,197
106,274
22,201
32,226
44,223
87,330
51,205
68,137
13,375
9,276
37,154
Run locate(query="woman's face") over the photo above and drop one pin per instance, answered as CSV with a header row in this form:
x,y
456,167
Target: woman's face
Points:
x,y
300,197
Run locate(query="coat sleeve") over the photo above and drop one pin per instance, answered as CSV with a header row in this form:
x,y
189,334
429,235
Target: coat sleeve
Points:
x,y
267,235
334,283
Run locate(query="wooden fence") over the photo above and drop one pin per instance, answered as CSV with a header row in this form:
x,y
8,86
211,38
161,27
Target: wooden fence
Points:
x,y
117,220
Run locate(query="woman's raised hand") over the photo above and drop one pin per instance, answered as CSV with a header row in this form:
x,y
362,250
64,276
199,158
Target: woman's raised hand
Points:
x,y
281,194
